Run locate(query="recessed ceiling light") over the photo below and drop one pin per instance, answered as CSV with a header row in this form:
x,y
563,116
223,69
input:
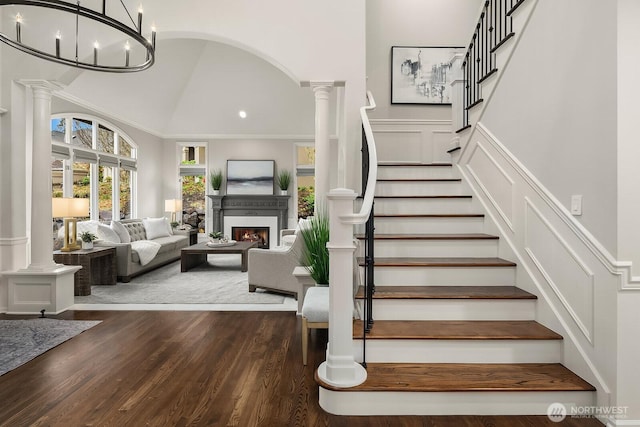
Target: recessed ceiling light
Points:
x,y
242,114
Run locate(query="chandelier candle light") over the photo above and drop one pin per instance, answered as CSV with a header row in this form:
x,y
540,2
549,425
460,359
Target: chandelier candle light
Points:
x,y
132,32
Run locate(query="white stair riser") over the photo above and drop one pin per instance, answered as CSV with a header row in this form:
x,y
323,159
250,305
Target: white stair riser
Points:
x,y
425,206
452,309
429,225
470,276
459,351
449,403
433,248
474,113
418,188
415,172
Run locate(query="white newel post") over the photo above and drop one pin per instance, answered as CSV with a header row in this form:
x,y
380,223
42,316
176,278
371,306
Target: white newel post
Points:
x,y
457,94
43,284
321,91
340,369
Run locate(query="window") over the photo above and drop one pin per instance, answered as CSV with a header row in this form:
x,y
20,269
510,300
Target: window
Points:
x,y
93,159
193,185
305,176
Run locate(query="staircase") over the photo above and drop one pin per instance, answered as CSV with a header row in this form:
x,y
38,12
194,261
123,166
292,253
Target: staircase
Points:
x,y
453,334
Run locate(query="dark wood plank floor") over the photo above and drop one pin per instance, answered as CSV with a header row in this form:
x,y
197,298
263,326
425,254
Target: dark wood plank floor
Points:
x,y
168,368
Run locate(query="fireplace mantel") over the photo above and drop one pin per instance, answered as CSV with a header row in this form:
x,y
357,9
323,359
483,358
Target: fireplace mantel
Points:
x,y
249,205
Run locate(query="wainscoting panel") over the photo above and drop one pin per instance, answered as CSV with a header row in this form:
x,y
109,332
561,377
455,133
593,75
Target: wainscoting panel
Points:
x,y
576,280
564,271
398,145
419,141
494,181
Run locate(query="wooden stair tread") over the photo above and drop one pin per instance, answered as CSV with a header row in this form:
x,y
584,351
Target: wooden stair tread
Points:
x,y
456,330
451,377
447,292
445,196
429,216
409,164
431,236
439,262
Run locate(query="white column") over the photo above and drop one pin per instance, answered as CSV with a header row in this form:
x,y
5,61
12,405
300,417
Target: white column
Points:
x,y
41,226
340,369
321,91
43,285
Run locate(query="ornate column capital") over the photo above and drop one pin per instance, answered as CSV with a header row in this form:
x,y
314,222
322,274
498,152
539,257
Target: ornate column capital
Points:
x,y
41,85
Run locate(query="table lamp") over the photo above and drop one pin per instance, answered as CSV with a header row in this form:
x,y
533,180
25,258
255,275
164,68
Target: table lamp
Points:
x,y
70,208
173,206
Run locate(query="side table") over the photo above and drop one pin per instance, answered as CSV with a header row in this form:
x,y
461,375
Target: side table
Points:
x,y
192,233
98,267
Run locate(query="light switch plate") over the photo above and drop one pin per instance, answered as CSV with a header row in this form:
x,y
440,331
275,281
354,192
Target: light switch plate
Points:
x,y
576,205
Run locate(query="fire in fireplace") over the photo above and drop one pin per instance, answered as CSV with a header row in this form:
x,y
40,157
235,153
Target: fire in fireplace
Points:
x,y
251,234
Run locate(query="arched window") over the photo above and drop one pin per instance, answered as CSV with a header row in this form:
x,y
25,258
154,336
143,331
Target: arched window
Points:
x,y
94,159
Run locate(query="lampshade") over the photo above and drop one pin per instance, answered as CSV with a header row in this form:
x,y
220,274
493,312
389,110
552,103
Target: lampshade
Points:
x,y
70,207
172,205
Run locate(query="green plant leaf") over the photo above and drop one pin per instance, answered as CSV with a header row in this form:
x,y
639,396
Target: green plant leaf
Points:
x,y
315,255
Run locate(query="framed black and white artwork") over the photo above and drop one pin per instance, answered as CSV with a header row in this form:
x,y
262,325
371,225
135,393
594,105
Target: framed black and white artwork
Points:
x,y
250,176
422,75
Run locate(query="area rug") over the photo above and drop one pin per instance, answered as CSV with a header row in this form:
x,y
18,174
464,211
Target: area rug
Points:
x,y
219,281
23,340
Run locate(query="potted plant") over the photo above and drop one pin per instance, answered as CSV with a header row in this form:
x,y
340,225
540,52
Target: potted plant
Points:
x,y
87,239
216,181
315,255
215,236
174,224
283,181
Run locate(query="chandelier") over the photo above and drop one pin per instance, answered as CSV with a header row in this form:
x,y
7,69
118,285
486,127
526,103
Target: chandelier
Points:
x,y
43,28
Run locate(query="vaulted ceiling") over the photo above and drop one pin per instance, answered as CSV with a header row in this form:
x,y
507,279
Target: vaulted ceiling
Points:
x,y
197,87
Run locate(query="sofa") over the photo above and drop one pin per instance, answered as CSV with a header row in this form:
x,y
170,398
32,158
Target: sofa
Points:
x,y
141,244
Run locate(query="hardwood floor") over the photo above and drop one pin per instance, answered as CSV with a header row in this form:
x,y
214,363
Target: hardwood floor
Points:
x,y
164,368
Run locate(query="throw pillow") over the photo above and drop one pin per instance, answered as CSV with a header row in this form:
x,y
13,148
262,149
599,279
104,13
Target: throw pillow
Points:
x,y
121,231
155,227
107,234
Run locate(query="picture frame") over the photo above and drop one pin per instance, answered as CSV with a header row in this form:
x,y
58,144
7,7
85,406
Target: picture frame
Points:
x,y
250,176
422,75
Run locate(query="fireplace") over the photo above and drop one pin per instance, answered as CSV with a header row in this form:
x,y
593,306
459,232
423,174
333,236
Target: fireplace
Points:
x,y
251,234
250,211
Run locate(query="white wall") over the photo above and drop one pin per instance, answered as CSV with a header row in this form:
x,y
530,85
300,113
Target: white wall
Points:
x,y
628,148
412,23
562,79
221,150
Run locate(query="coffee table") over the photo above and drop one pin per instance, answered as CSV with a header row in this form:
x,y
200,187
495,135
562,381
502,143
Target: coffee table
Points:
x,y
197,254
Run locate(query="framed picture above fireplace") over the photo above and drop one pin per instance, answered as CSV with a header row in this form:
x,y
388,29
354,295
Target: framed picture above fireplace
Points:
x,y
250,176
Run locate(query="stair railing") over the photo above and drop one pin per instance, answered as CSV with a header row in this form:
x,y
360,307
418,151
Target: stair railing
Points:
x,y
341,221
366,215
369,260
492,31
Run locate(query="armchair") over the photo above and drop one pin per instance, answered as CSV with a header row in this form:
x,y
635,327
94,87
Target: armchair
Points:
x,y
272,269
